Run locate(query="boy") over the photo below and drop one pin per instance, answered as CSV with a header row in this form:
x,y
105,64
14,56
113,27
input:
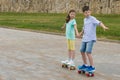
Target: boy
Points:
x,y
88,39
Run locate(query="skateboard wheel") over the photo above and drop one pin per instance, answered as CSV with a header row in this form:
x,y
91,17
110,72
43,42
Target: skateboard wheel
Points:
x,y
87,75
92,75
66,66
79,72
62,66
83,72
72,68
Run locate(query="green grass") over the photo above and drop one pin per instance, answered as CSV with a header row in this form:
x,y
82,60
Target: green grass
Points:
x,y
52,22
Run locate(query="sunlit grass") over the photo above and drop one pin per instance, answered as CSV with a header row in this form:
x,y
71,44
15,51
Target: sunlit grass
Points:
x,y
53,21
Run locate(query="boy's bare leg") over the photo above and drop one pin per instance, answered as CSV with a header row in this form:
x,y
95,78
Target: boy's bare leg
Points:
x,y
84,57
90,59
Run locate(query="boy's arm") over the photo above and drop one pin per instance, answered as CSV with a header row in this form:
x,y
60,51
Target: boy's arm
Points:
x,y
97,22
63,27
103,26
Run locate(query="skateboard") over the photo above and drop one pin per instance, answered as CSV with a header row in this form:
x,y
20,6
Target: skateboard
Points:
x,y
64,65
70,67
89,74
83,71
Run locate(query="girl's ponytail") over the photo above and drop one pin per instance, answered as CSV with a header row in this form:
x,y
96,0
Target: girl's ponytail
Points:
x,y
67,18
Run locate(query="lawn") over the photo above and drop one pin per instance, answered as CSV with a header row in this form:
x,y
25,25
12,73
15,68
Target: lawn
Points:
x,y
52,22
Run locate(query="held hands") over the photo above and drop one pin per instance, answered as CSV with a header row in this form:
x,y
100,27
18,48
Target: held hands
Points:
x,y
78,35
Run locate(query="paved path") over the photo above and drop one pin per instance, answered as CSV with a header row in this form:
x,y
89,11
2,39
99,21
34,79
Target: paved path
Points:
x,y
36,56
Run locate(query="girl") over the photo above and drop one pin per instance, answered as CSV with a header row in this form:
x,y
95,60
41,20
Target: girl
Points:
x,y
71,28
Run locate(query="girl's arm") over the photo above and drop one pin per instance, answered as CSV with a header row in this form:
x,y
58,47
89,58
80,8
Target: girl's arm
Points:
x,y
103,26
76,30
63,27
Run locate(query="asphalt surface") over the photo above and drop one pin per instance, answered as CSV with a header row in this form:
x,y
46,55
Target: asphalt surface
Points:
x,y
37,56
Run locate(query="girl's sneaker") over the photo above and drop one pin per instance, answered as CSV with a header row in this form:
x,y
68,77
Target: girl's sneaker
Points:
x,y
83,67
90,69
65,62
71,63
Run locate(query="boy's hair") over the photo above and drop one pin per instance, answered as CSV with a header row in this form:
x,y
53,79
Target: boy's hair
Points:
x,y
68,17
85,8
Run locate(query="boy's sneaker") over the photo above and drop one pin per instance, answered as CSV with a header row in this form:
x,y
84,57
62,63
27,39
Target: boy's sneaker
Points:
x,y
65,62
83,67
90,69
